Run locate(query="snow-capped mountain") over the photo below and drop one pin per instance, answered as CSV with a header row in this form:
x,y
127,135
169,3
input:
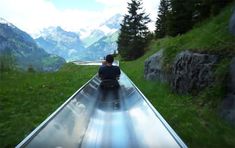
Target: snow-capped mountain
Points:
x,y
111,25
83,33
107,28
63,43
21,46
102,47
114,22
3,21
87,44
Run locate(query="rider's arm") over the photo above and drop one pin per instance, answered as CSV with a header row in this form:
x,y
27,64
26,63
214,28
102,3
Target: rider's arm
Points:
x,y
118,73
100,73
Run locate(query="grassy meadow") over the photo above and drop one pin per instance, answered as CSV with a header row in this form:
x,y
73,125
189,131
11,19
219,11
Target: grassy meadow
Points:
x,y
28,98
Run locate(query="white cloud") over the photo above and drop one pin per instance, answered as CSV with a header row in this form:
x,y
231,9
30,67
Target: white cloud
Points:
x,y
151,7
112,2
33,15
29,15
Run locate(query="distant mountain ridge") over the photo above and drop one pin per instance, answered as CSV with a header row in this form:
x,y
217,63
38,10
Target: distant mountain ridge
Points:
x,y
107,28
24,49
57,41
93,45
105,45
113,22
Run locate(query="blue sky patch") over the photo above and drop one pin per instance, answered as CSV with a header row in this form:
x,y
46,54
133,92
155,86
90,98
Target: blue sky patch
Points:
x,y
89,5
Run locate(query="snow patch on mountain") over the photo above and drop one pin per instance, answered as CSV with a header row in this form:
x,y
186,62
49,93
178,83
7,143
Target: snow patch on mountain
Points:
x,y
108,27
113,22
63,43
72,51
85,32
107,30
3,21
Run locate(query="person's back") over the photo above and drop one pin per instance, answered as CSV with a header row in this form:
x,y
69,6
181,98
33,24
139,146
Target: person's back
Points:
x,y
109,73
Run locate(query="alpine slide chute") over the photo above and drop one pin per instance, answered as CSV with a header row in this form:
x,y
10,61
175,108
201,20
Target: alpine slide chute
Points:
x,y
87,120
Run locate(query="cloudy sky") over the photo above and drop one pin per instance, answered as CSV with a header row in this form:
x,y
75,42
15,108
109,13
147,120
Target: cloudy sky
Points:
x,y
72,15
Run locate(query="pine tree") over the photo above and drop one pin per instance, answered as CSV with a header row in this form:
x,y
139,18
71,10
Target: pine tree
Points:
x,y
207,8
180,17
175,17
123,38
134,32
7,61
161,23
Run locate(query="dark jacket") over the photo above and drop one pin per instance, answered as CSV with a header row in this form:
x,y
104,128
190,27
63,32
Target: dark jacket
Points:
x,y
109,72
109,76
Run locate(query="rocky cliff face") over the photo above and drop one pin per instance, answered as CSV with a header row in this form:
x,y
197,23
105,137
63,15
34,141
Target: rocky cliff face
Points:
x,y
190,72
228,105
232,24
153,69
227,108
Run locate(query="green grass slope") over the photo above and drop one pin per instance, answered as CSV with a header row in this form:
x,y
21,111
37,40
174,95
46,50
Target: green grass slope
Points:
x,y
27,99
194,118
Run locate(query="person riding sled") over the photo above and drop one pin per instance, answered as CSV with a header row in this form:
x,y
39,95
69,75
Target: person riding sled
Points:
x,y
109,73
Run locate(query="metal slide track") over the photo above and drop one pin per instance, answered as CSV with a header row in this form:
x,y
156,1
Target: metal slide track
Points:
x,y
88,120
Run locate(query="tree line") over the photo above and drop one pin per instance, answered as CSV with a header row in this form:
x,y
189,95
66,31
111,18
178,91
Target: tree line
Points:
x,y
175,17
7,62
